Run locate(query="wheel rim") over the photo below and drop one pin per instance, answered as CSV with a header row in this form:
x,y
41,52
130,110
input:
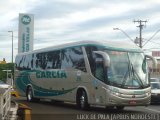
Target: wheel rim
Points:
x,y
120,107
29,94
82,101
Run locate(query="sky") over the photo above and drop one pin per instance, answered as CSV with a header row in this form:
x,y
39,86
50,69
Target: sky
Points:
x,y
59,21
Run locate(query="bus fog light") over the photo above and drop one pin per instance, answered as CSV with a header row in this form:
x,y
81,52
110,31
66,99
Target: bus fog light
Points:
x,y
117,94
147,94
111,100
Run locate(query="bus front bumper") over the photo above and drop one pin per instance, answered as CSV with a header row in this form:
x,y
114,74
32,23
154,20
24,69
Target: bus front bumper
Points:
x,y
132,100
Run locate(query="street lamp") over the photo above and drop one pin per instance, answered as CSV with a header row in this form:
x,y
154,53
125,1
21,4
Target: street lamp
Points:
x,y
124,33
12,44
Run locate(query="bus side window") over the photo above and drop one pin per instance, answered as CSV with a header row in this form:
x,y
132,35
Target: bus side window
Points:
x,y
21,62
99,69
49,60
18,62
73,58
91,57
54,61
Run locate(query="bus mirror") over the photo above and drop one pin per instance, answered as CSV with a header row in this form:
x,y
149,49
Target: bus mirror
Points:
x,y
105,56
153,60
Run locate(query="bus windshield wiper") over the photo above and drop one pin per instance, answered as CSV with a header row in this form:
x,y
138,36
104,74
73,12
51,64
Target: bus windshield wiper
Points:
x,y
132,75
128,73
114,83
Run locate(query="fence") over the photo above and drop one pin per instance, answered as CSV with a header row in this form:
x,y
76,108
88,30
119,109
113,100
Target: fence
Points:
x,y
5,102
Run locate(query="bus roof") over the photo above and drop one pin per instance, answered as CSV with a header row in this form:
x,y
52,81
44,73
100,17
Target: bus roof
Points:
x,y
116,45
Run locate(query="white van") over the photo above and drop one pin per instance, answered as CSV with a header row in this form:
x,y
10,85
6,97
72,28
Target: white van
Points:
x,y
155,92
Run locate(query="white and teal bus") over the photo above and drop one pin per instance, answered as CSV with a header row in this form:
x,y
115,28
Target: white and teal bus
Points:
x,y
86,73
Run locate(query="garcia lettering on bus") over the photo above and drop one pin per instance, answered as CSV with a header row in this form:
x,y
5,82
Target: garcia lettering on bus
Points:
x,y
51,74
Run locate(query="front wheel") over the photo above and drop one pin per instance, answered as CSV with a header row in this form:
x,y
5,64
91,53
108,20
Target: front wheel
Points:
x,y
120,107
82,100
109,107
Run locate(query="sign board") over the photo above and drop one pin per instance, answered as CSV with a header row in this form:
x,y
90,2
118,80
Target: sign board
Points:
x,y
156,53
25,34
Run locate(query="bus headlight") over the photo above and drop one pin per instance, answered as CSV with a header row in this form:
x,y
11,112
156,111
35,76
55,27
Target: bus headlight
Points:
x,y
115,93
148,93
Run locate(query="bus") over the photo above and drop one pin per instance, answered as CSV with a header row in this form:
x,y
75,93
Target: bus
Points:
x,y
99,73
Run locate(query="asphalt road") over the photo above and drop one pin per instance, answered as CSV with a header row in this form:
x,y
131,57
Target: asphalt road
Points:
x,y
46,110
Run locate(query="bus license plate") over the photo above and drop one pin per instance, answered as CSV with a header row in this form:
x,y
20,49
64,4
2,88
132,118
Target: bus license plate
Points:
x,y
132,102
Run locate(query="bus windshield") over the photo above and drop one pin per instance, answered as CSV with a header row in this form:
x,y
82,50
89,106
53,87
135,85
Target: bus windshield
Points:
x,y
127,69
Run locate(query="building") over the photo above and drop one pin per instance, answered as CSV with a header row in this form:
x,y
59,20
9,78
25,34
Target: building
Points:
x,y
155,72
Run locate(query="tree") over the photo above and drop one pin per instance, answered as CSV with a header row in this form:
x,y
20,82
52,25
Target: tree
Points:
x,y
7,66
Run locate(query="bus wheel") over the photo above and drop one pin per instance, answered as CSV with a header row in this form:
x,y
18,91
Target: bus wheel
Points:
x,y
29,95
82,101
120,107
109,107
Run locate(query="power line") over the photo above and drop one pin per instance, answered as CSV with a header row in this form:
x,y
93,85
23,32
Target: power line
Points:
x,y
154,42
151,37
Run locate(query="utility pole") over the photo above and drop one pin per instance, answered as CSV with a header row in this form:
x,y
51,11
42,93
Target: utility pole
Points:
x,y
141,25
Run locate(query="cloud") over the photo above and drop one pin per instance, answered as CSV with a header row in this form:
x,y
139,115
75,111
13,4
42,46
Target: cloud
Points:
x,y
66,20
90,18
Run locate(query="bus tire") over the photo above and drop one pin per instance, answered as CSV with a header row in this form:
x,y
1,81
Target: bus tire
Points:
x,y
109,107
120,107
82,100
30,97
